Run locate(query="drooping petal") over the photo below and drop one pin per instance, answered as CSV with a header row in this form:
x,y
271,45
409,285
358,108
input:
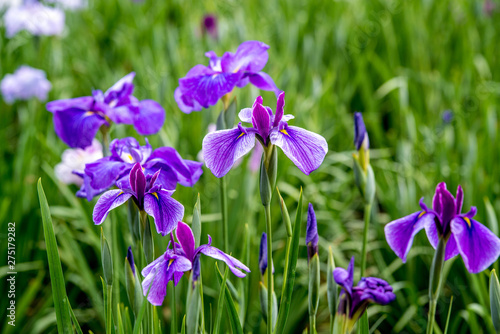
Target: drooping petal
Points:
x,y
376,290
77,127
306,149
154,285
234,265
104,172
250,56
209,88
451,249
245,115
443,203
107,202
478,246
400,233
345,278
222,148
83,103
186,102
125,114
185,237
263,81
150,118
165,210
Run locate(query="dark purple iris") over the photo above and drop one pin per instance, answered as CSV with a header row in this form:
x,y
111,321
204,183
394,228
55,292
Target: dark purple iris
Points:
x,y
306,149
355,299
360,135
209,25
203,85
311,233
182,258
149,196
106,172
76,121
478,246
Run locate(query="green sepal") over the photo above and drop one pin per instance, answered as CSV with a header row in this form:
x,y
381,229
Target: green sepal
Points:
x,y
314,283
364,179
107,261
196,222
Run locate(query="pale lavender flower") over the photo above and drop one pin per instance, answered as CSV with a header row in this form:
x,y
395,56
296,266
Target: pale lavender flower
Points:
x,y
35,18
74,161
25,83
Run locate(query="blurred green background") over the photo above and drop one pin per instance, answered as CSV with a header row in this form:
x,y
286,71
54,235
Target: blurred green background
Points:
x,y
402,63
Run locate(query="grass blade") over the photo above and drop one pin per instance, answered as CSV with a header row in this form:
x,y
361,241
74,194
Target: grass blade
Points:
x,y
61,303
220,304
495,300
286,294
231,308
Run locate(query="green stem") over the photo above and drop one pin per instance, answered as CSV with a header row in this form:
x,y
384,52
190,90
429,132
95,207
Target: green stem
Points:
x,y
174,312
270,283
332,324
109,318
312,324
368,210
435,282
223,204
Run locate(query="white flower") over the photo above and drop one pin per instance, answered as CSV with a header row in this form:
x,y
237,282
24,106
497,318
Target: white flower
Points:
x,y
25,83
34,17
74,160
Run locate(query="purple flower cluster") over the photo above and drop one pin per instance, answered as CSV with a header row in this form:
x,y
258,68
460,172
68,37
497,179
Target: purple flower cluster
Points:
x,y
204,85
35,18
222,148
478,246
77,120
125,153
25,83
355,299
182,258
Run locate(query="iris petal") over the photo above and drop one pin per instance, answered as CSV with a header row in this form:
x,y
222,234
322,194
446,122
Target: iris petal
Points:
x,y
165,210
107,202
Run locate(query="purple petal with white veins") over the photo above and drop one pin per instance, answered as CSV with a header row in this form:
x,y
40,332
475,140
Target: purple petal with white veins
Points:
x,y
245,115
165,210
400,233
84,103
222,148
234,265
107,202
306,149
104,172
250,56
478,246
150,118
185,237
125,114
77,127
154,285
451,249
186,102
345,278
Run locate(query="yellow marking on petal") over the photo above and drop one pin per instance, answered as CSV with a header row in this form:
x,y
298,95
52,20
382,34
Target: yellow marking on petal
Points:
x,y
89,113
121,193
170,261
241,135
421,214
155,195
467,220
284,131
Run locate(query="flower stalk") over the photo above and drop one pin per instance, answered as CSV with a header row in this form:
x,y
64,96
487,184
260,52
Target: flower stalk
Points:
x,y
435,281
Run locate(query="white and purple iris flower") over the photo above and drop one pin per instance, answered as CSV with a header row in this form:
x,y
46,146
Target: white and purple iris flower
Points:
x,y
204,85
222,148
125,153
353,300
76,121
26,82
478,246
184,257
35,18
74,160
148,194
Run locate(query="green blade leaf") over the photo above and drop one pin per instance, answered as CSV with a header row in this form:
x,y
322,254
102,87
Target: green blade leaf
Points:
x,y
220,304
363,327
61,303
495,300
286,293
231,308
196,222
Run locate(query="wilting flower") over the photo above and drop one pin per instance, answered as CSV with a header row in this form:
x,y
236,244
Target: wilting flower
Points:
x,y
209,25
76,121
478,246
35,18
222,148
203,86
354,300
311,233
149,196
182,258
25,83
106,172
73,162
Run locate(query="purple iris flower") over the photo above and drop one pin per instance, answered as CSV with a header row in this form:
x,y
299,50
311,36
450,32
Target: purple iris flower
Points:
x,y
360,135
311,233
106,172
203,86
478,246
37,19
354,300
182,258
149,196
25,83
76,121
209,25
222,148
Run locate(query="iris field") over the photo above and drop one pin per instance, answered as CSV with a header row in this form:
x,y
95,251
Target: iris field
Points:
x,y
424,74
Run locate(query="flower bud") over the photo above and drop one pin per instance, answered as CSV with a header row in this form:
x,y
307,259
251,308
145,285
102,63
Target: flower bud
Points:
x,y
263,257
311,233
107,261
